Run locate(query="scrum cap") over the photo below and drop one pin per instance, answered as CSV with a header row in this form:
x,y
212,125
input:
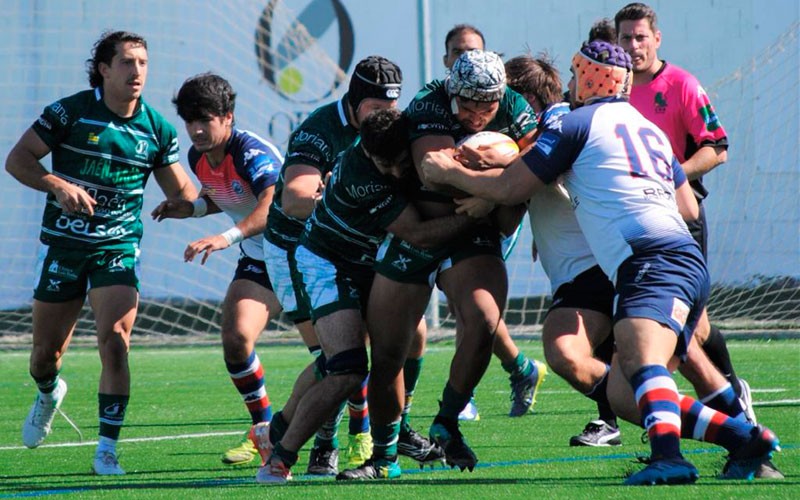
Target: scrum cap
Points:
x,y
375,77
477,75
601,69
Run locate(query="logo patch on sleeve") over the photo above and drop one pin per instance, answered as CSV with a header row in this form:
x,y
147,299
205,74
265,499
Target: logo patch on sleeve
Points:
x,y
547,143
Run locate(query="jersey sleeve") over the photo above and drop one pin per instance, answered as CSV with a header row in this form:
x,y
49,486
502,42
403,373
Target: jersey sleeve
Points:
x,y
699,117
678,175
310,146
257,162
170,151
55,122
557,147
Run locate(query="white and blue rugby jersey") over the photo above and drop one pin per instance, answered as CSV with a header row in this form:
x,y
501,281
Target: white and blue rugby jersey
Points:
x,y
620,173
251,165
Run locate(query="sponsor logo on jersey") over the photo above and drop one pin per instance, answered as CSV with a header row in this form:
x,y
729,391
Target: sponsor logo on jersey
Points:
x,y
237,187
93,139
60,112
361,191
302,137
54,286
45,123
546,143
141,149
252,153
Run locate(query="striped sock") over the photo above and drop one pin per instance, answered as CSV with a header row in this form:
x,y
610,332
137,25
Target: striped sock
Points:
x,y
327,436
657,399
703,423
725,400
384,440
358,410
248,377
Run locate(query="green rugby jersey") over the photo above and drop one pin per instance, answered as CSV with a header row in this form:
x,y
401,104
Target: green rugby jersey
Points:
x,y
111,158
358,204
316,142
430,114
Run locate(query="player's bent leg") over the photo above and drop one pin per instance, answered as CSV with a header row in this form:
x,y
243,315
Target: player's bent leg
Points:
x,y
712,388
53,324
245,313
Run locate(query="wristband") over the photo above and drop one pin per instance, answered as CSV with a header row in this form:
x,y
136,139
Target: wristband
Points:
x,y
233,235
200,207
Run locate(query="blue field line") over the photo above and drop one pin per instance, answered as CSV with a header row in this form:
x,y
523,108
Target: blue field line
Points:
x,y
210,483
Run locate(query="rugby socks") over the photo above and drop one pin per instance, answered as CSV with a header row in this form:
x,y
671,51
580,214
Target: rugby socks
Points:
x,y
520,367
384,440
248,377
358,410
716,349
327,437
412,369
657,398
289,458
277,428
46,385
702,423
725,401
452,403
599,396
111,412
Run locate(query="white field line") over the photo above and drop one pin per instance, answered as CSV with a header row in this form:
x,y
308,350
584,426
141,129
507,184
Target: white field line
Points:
x,y
132,440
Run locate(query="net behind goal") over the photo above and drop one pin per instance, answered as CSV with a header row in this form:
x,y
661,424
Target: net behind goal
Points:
x,y
279,60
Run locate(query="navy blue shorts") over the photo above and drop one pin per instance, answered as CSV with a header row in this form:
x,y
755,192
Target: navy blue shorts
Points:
x,y
252,270
590,289
667,286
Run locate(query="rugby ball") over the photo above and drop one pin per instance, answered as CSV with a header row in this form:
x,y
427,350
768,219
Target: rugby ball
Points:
x,y
488,139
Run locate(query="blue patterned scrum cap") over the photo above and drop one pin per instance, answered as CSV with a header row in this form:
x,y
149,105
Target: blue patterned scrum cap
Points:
x,y
477,75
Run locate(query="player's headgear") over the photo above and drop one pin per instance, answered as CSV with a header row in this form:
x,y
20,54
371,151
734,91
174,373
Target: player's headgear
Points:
x,y
601,69
477,75
375,77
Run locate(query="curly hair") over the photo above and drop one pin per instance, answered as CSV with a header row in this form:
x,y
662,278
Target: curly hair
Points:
x,y
204,96
384,133
104,51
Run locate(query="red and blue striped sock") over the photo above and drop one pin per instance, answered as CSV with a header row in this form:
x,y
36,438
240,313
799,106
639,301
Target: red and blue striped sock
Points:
x,y
703,423
657,399
358,410
248,377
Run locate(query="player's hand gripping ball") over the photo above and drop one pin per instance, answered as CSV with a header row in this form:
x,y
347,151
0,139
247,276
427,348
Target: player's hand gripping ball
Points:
x,y
486,149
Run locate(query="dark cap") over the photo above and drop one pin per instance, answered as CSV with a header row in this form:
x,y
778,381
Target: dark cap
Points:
x,y
375,77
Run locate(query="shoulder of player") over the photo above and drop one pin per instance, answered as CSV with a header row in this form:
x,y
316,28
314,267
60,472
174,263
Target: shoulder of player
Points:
x,y
676,76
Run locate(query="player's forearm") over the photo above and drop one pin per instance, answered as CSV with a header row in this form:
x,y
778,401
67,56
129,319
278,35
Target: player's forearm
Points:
x,y
26,169
704,161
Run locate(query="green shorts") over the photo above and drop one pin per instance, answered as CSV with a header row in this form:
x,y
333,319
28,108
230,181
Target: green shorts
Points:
x,y
400,261
65,273
328,287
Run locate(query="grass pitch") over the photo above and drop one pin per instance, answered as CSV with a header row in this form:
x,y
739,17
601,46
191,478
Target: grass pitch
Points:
x,y
184,413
